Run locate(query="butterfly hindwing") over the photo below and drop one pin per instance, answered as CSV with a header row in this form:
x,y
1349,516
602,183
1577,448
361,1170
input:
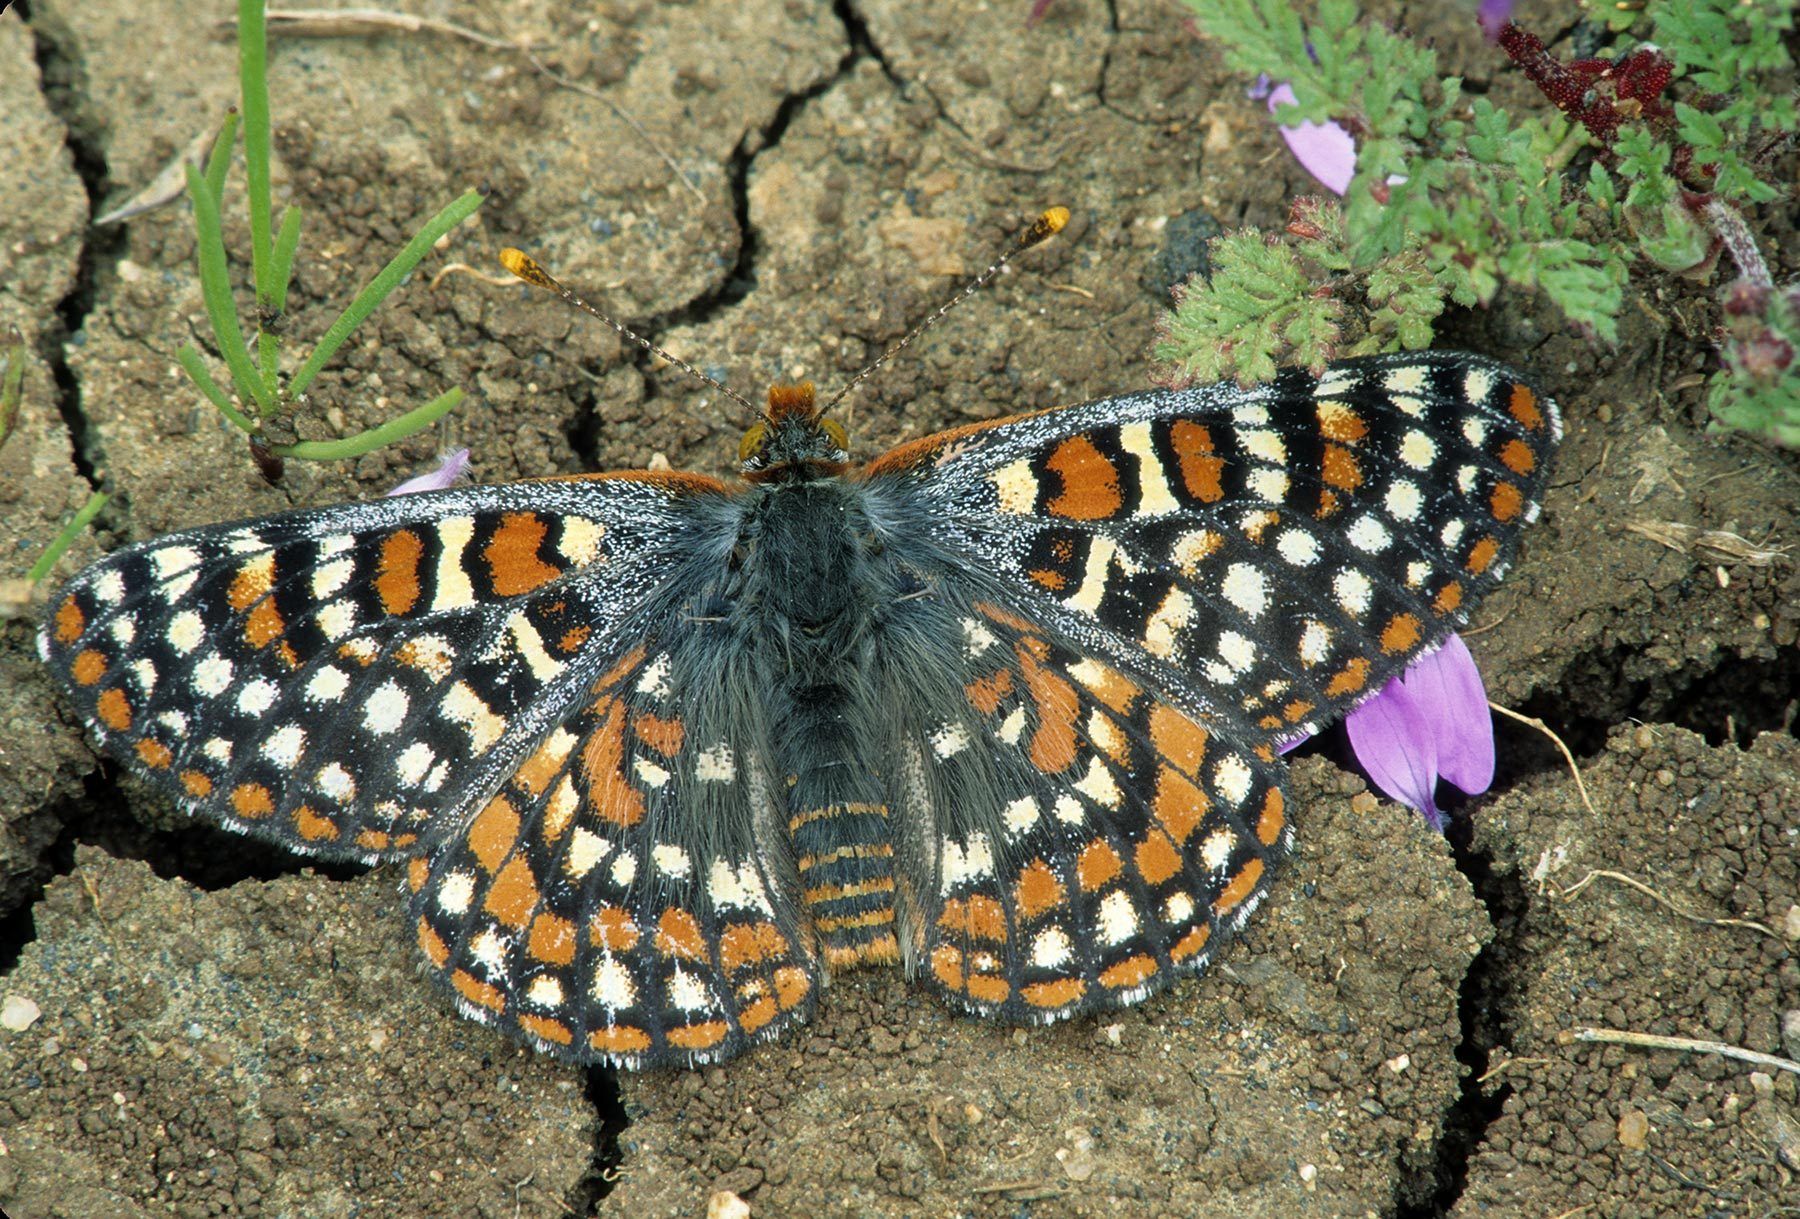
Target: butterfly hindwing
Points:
x,y
345,681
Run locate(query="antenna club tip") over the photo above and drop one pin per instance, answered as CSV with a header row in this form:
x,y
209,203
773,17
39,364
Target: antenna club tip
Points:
x,y
1055,219
1046,226
526,268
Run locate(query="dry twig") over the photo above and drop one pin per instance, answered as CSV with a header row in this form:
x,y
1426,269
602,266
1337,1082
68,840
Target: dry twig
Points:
x,y
1688,1045
1533,721
1647,891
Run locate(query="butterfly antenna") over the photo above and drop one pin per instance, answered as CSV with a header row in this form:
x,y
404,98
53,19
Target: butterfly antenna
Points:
x,y
1046,226
532,272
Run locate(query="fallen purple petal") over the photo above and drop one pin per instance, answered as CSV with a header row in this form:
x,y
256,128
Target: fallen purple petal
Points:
x,y
1493,15
1038,8
448,471
1324,150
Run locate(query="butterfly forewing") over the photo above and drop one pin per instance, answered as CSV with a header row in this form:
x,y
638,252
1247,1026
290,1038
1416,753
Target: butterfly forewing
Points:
x,y
346,681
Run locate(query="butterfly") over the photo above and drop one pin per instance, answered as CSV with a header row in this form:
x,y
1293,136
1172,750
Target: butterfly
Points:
x,y
661,754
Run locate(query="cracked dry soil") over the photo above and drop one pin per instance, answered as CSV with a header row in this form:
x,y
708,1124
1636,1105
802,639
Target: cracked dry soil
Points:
x,y
223,1031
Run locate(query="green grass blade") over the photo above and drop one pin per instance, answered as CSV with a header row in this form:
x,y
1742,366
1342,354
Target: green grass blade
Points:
x,y
215,286
286,242
12,389
66,537
374,438
253,81
190,360
377,289
219,159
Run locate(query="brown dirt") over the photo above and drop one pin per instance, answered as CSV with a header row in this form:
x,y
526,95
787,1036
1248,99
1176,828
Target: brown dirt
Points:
x,y
261,1022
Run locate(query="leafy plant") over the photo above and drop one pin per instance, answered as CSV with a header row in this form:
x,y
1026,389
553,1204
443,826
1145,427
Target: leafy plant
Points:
x,y
262,390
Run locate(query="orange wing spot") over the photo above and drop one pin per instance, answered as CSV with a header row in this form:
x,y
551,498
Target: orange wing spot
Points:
x,y
403,841
1507,501
747,943
702,1036
478,992
603,760
1090,483
1297,710
1401,633
546,1029
1242,886
611,928
989,988
536,772
946,963
360,650
1156,858
264,626
251,582
1340,468
1524,407
758,1014
1449,598
985,693
372,840
1482,555
1059,993
552,940
573,638
1097,865
994,613
977,916
1053,744
1130,972
1047,578
1180,806
1274,816
791,985
251,800
155,754
1179,740
514,894
70,621
662,735
1201,469
917,452
114,709
512,555
89,667
626,666
313,827
678,935
1517,456
494,832
1338,422
1190,944
1328,505
1270,722
1351,678
196,784
1109,686
620,1039
432,944
1037,890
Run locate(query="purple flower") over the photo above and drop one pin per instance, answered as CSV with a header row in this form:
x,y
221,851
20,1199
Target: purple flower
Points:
x,y
448,471
1324,150
1427,724
1494,15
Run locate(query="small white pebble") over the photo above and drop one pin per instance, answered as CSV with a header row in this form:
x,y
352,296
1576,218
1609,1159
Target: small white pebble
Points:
x,y
1309,1177
726,1205
18,1013
1399,1062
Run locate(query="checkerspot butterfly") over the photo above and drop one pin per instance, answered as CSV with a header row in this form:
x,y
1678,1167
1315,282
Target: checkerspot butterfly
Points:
x,y
661,754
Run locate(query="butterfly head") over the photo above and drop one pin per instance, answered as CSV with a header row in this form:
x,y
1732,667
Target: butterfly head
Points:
x,y
793,440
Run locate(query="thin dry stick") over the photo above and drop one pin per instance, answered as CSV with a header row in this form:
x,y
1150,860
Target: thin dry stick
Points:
x,y
1655,1041
1653,895
1533,721
463,268
1509,1063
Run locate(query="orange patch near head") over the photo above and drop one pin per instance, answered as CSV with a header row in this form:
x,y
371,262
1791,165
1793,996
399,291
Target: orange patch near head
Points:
x,y
612,928
1482,555
1179,804
251,800
1130,972
985,693
1242,886
1506,502
514,894
1401,633
1351,678
313,827
1274,816
1201,468
196,784
1156,858
251,582
1059,993
535,772
1190,944
1524,407
1340,469
1517,456
1109,686
397,575
1449,598
1047,578
478,992
994,613
493,833
1090,483
613,798
785,400
155,754
552,940
1037,889
1177,738
114,709
662,735
573,638
512,555
1053,744
88,668
70,621
1340,423
432,944
546,1029
1097,865
678,935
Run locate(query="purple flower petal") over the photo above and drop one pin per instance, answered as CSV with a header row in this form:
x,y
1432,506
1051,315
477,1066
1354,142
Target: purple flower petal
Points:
x,y
1494,15
1465,728
1324,150
1038,8
448,471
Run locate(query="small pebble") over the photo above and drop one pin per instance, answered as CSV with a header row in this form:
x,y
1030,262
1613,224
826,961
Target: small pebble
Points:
x,y
1634,1129
18,1013
727,1205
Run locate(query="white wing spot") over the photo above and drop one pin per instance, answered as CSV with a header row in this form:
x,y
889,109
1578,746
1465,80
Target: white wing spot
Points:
x,y
1051,948
330,577
212,676
654,680
284,746
186,630
1418,450
687,992
1353,592
413,762
648,771
1451,533
976,638
1315,642
1232,778
109,589
964,862
1016,486
257,697
1164,629
1215,852
1178,909
1020,815
1246,589
386,709
1370,535
337,783
586,849
613,987
327,685
715,765
1236,650
1403,501
1099,785
545,992
1298,547
1068,810
457,891
1267,484
336,619
949,740
1118,921
671,860
624,870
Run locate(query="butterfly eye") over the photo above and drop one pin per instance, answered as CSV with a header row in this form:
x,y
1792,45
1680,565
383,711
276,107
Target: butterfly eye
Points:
x,y
836,431
752,441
